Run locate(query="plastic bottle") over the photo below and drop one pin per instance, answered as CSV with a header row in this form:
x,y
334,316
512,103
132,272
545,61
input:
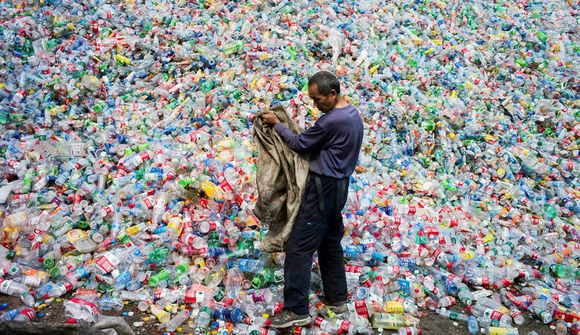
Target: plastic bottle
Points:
x,y
81,309
203,317
543,310
500,331
160,314
26,314
10,287
387,321
177,320
472,325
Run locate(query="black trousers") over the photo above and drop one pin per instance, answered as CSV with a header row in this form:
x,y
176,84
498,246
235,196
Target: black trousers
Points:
x,y
318,227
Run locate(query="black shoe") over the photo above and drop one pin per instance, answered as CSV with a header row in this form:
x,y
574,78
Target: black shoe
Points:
x,y
339,307
288,319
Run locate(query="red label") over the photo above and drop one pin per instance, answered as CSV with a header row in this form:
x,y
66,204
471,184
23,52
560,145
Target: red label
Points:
x,y
145,156
225,186
203,203
566,315
90,305
361,308
437,252
353,268
495,315
195,295
104,263
344,326
412,210
297,330
484,281
278,308
454,222
318,321
148,203
239,199
108,209
29,313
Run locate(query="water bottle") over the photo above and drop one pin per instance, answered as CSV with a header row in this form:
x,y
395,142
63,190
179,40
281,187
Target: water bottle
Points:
x,y
177,320
11,287
472,325
203,317
26,314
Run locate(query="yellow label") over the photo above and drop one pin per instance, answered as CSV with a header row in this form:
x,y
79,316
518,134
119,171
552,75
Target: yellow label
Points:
x,y
394,307
488,138
175,224
502,331
133,229
467,255
199,263
162,315
75,235
122,59
488,238
503,310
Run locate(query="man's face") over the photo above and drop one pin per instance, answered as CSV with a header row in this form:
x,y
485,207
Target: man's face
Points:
x,y
324,103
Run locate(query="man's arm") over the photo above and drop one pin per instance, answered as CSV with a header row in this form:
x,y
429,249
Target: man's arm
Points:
x,y
310,139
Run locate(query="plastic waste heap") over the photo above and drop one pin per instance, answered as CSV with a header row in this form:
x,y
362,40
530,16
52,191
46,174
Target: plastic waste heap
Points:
x,y
127,168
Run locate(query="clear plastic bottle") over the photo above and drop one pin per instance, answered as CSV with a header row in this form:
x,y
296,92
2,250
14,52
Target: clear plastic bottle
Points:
x,y
11,287
177,320
26,314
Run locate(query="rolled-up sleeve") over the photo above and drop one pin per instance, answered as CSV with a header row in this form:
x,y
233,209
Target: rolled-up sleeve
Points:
x,y
310,139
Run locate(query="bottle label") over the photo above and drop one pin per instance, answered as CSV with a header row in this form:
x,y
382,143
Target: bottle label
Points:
x,y
67,287
33,277
344,326
193,296
354,268
392,321
225,186
147,201
29,313
361,308
5,286
297,330
566,315
90,307
105,264
500,331
318,322
394,307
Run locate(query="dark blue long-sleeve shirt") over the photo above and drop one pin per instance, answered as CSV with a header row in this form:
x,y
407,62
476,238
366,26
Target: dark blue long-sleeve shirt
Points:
x,y
333,142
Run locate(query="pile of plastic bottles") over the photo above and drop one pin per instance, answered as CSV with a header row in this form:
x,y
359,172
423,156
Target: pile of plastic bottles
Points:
x,y
127,163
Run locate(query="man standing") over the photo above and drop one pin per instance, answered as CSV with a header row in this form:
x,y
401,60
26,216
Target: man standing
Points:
x,y
334,144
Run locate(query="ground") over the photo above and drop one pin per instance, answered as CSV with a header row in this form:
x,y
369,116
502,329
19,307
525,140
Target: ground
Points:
x,y
432,324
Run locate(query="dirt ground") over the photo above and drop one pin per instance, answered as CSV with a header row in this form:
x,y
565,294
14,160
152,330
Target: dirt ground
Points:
x,y
432,324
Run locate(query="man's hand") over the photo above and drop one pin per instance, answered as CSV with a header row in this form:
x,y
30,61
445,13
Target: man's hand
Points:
x,y
270,119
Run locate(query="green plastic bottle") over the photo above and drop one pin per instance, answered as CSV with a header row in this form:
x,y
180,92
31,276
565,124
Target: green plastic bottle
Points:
x,y
155,279
564,271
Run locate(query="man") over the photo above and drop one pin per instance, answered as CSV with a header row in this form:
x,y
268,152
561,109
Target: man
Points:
x,y
334,144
